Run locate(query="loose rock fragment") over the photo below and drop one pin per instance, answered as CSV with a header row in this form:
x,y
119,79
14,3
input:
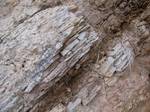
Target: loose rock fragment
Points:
x,y
118,59
73,105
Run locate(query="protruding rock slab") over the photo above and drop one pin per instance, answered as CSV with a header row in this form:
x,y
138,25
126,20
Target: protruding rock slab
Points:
x,y
38,52
118,59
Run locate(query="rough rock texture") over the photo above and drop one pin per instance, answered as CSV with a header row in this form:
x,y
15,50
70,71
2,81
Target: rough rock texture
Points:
x,y
38,52
74,55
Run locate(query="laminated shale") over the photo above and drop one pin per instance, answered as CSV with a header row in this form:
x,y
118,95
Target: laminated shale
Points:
x,y
74,55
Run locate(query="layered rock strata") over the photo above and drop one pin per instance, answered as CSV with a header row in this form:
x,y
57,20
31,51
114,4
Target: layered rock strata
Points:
x,y
38,52
42,42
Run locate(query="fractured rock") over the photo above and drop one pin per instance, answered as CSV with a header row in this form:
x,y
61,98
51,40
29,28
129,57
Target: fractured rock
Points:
x,y
38,53
118,59
73,105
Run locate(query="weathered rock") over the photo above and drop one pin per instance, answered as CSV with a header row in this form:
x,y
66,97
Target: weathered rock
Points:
x,y
121,57
73,105
111,81
38,52
42,42
88,93
58,108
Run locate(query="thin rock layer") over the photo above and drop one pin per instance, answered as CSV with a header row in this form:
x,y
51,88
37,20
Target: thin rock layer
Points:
x,y
38,52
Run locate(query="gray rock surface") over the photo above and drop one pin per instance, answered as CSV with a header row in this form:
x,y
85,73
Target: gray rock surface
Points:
x,y
44,44
73,105
121,57
38,52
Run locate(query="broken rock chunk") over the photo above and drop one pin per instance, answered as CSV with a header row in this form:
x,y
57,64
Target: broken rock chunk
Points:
x,y
117,60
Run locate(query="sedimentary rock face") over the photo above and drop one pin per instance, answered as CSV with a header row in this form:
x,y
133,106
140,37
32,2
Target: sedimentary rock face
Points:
x,y
38,52
62,55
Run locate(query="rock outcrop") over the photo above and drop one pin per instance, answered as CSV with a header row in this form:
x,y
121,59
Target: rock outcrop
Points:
x,y
101,46
38,52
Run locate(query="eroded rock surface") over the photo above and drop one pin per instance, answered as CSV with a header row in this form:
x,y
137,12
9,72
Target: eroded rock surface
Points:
x,y
74,55
38,52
